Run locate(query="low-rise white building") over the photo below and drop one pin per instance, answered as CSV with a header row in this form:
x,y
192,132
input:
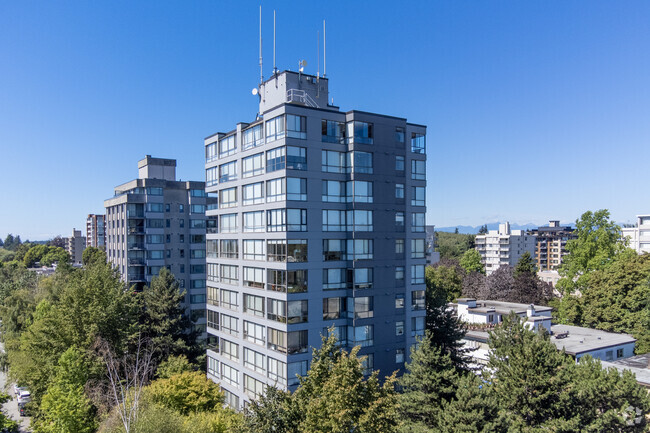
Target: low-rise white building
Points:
x,y
639,236
504,247
482,316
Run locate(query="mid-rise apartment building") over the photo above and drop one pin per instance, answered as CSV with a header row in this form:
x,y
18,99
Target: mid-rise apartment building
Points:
x,y
551,245
320,224
432,256
156,221
75,246
96,231
639,236
503,247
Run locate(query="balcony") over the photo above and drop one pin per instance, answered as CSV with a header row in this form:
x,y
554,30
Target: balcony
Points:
x,y
136,262
135,246
135,230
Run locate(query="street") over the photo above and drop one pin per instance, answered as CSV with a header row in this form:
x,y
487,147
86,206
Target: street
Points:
x,y
11,407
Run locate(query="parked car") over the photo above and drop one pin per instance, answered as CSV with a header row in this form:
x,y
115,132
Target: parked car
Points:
x,y
24,396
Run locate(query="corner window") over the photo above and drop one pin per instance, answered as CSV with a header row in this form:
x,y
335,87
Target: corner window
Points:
x,y
296,126
275,129
360,132
418,170
361,162
296,158
417,143
296,189
276,159
332,131
417,196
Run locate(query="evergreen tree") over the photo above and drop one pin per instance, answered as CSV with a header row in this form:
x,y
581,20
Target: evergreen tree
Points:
x,y
525,265
473,409
273,412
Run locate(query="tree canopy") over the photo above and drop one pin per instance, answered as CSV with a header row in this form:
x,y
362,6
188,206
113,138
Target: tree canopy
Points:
x,y
471,262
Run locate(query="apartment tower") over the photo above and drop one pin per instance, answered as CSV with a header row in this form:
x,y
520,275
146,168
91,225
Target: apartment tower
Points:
x,y
504,247
156,221
96,231
551,245
320,224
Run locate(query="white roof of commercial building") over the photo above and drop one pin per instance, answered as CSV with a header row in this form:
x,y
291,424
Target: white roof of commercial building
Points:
x,y
581,340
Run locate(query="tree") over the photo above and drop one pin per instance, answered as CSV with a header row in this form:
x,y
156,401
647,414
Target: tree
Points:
x,y
456,230
273,412
430,381
473,285
471,262
164,321
529,289
65,407
525,265
499,285
172,366
187,392
452,246
483,230
596,246
93,255
57,241
474,409
444,279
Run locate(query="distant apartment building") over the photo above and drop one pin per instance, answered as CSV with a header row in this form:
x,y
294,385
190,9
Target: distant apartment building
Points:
x,y
432,256
503,247
96,231
639,236
156,221
75,246
551,245
320,224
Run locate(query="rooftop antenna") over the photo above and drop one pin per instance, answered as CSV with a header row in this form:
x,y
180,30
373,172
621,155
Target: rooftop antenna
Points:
x,y
275,70
318,52
261,70
324,52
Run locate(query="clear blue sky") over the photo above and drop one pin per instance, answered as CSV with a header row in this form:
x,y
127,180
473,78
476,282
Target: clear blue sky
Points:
x,y
536,110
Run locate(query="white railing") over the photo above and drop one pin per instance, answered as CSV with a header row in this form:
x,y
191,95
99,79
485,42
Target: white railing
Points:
x,y
296,95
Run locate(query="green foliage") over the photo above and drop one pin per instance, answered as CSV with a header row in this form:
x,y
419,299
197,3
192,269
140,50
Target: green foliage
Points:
x,y
6,255
174,365
11,242
92,255
453,245
483,230
525,265
222,421
273,412
186,393
45,255
444,280
473,409
65,407
471,262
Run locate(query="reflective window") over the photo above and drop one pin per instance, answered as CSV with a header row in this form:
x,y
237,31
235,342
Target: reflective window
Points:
x,y
228,223
253,165
227,146
254,221
211,152
332,131
417,248
276,159
362,162
399,190
274,129
334,162
296,189
400,134
253,249
253,137
296,158
228,198
296,126
417,143
361,335
253,193
418,170
417,224
360,132
417,196
275,190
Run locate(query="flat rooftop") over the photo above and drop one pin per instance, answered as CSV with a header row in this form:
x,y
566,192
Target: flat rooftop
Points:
x,y
580,340
639,365
503,307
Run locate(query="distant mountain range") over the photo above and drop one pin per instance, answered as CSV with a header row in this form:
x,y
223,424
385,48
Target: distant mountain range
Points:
x,y
491,226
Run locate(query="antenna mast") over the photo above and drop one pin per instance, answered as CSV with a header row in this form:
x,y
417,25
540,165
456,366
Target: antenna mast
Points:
x,y
261,70
275,70
324,52
318,53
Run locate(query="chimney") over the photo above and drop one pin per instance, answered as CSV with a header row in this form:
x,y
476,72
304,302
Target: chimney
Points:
x,y
530,311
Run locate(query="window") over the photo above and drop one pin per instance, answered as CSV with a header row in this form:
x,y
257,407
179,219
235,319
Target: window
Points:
x,y
194,224
358,249
334,221
275,190
252,165
295,370
399,356
254,305
417,300
276,220
400,135
228,223
213,366
211,152
296,250
254,360
417,196
296,220
417,326
399,276
168,207
417,224
197,209
229,274
609,355
359,220
399,328
418,170
360,307
296,126
619,353
332,131
168,239
154,224
254,221
228,172
334,162
296,189
361,278
229,248
277,371
197,239
360,191
155,239
276,310
211,176
360,132
198,299
229,374
417,248
253,387
228,299
361,162
333,308
274,129
154,191
275,159
335,191
297,342
399,163
276,250
333,249
229,324
212,248
399,190
253,137
399,300
277,340
399,247
334,279
227,146
361,335
197,269
253,277
228,198
213,292
296,158
297,311
294,281
253,249
229,350
254,333
368,364
151,207
417,274
417,143
155,254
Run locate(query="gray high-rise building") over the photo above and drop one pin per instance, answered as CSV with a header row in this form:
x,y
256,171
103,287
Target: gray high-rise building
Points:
x,y
156,221
320,224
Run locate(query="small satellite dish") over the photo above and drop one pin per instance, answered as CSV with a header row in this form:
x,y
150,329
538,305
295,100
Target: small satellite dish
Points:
x,y
254,91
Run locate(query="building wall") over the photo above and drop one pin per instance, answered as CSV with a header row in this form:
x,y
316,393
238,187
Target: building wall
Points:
x,y
96,231
639,236
75,246
503,247
237,377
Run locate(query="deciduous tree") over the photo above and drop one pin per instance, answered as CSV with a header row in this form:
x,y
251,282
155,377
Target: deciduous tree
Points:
x,y
471,262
